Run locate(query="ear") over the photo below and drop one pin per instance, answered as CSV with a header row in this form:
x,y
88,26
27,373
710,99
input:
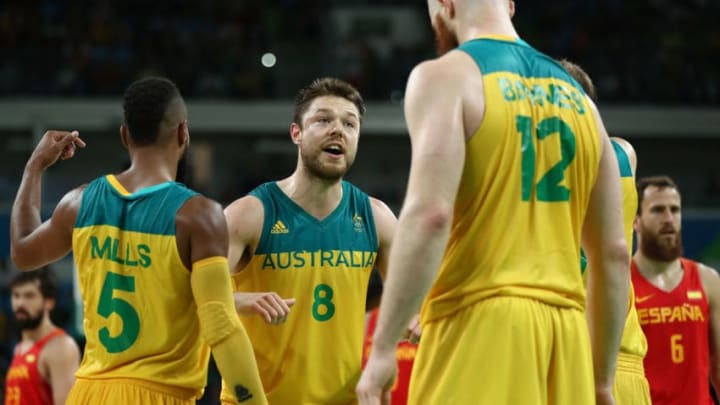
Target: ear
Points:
x,y
183,134
511,7
49,304
295,133
124,135
448,6
636,223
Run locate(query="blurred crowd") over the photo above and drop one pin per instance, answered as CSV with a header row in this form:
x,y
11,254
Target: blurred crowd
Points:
x,y
658,51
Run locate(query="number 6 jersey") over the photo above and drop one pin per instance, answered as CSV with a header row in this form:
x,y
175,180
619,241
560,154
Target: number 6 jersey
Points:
x,y
675,324
139,315
315,356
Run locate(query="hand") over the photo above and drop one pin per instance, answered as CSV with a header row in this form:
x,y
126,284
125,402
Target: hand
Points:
x,y
273,308
604,396
55,145
413,331
377,379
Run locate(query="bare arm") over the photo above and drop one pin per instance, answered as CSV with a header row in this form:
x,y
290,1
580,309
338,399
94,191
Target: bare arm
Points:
x,y
711,284
61,358
608,283
385,222
245,218
433,111
33,243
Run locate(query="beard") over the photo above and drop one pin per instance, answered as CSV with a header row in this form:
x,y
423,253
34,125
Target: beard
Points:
x,y
654,247
323,171
445,39
30,322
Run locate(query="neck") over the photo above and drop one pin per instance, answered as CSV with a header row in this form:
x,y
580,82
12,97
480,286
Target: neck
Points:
x,y
317,196
150,166
38,333
651,267
493,21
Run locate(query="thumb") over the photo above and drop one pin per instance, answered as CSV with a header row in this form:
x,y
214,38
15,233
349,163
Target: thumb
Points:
x,y
290,301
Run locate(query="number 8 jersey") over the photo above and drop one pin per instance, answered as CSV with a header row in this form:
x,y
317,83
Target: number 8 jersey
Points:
x,y
315,356
139,314
525,187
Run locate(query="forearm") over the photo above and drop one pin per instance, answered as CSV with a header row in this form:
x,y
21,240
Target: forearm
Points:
x,y
607,307
25,216
414,259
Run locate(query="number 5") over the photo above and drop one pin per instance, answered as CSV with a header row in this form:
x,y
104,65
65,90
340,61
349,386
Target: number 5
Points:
x,y
109,305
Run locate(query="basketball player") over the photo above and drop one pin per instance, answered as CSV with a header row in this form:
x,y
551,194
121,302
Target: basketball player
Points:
x,y
46,358
677,299
314,238
151,260
631,386
511,169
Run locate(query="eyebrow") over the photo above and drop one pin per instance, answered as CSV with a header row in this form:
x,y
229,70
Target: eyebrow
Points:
x,y
327,110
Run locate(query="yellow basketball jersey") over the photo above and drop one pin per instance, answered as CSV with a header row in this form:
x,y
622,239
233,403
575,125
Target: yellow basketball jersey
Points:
x,y
315,356
633,339
139,314
529,171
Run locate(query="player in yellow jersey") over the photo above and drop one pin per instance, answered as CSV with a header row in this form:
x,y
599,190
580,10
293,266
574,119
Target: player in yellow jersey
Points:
x,y
511,169
313,239
151,263
631,386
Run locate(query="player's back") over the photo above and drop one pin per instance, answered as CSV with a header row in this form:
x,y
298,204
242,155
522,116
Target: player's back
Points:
x,y
633,340
529,171
138,309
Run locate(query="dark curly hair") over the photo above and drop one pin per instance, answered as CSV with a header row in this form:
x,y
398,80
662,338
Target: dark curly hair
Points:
x,y
42,275
326,86
144,104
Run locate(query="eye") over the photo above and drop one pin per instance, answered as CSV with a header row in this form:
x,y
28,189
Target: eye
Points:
x,y
324,120
350,124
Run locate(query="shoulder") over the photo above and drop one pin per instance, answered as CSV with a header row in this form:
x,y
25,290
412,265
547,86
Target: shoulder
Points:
x,y
380,209
627,148
245,211
444,71
385,221
61,348
710,281
200,213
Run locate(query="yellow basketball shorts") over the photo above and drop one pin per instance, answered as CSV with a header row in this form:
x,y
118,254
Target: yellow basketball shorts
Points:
x,y
631,387
121,391
505,350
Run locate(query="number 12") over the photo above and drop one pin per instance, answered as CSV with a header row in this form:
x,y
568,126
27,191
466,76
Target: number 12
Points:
x,y
548,188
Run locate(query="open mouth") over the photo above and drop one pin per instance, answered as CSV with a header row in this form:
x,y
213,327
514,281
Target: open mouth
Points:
x,y
334,150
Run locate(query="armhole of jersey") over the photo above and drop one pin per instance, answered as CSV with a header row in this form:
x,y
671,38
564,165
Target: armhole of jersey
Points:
x,y
269,215
623,159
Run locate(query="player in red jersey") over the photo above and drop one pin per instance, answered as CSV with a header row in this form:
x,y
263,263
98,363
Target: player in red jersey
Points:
x,y
677,300
44,362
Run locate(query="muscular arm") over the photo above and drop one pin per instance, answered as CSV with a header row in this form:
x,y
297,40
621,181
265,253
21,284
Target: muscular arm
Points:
x,y
60,358
245,219
203,224
711,284
606,249
433,111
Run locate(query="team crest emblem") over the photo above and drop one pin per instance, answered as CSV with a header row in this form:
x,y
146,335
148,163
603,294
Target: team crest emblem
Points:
x,y
358,223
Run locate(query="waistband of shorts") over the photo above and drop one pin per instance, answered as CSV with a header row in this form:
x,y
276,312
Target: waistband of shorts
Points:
x,y
630,363
177,392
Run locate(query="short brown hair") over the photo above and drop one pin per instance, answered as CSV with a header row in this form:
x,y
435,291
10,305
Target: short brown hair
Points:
x,y
656,181
581,77
326,86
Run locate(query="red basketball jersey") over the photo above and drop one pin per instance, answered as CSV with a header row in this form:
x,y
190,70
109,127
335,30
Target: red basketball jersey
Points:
x,y
23,382
676,326
405,356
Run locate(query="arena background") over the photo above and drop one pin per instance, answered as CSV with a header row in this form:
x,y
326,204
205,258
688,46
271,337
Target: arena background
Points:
x,y
65,64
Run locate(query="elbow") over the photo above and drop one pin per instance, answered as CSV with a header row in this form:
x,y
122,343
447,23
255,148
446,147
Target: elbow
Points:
x,y
433,217
21,260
